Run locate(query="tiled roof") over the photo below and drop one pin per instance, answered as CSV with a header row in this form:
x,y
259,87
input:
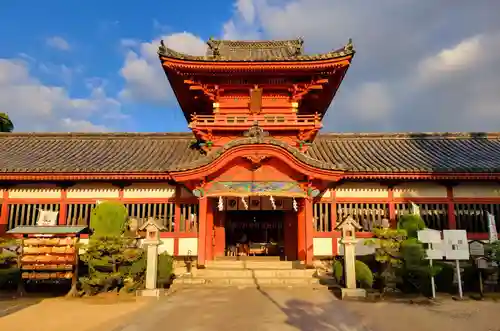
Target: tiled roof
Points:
x,y
411,152
262,50
80,152
161,152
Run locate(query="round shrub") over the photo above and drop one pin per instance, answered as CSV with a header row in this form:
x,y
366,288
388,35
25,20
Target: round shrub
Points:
x,y
364,276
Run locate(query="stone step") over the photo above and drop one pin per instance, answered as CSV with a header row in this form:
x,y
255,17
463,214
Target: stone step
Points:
x,y
277,265
253,282
254,273
248,258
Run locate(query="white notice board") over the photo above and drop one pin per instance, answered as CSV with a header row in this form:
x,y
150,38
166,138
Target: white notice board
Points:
x,y
456,245
429,236
432,239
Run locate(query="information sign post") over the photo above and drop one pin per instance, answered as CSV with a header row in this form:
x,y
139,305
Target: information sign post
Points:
x,y
432,239
456,248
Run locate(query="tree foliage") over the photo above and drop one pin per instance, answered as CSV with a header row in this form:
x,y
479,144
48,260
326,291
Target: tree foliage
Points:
x,y
387,243
7,257
415,271
6,124
411,223
9,272
113,260
493,251
402,256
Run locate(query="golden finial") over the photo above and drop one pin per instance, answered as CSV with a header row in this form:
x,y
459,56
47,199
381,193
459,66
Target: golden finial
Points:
x,y
162,48
349,47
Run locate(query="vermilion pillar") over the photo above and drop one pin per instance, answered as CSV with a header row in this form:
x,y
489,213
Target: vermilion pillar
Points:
x,y
63,207
392,208
202,232
290,233
452,220
301,232
308,231
209,241
4,213
219,233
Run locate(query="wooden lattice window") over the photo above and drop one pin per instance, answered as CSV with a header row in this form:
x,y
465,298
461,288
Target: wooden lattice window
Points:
x,y
27,214
189,217
164,213
473,217
79,213
322,212
435,215
367,215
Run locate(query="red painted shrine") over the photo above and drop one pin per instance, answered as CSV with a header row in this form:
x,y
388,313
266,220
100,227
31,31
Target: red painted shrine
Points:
x,y
255,172
256,107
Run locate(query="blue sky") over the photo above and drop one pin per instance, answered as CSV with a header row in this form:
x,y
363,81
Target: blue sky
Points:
x,y
427,65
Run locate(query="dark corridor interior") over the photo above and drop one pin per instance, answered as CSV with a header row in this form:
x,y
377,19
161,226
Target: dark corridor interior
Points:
x,y
262,231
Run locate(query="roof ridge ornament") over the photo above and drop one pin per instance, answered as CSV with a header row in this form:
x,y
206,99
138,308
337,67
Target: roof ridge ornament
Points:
x,y
255,132
299,47
349,47
213,46
162,49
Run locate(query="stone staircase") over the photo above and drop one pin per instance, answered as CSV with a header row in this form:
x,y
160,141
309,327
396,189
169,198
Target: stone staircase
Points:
x,y
251,272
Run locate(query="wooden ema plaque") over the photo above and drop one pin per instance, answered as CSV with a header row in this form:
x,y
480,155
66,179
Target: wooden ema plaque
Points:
x,y
45,258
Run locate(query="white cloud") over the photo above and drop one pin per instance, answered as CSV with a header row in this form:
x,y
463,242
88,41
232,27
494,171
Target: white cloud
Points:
x,y
129,43
58,43
144,77
421,65
34,106
371,102
461,57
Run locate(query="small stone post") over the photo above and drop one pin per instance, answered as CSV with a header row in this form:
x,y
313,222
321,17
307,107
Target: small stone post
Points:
x,y
348,227
151,241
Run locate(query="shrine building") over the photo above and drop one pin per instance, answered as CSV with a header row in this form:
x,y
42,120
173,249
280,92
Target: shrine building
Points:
x,y
256,166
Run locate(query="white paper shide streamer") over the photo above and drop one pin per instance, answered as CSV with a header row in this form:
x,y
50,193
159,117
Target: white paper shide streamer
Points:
x,y
273,203
244,202
220,205
295,205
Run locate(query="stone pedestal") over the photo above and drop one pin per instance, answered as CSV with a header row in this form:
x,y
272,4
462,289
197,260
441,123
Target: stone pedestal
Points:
x,y
349,226
151,242
152,265
157,292
349,261
353,293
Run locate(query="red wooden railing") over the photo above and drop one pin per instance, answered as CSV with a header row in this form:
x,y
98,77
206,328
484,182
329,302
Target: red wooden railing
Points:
x,y
262,120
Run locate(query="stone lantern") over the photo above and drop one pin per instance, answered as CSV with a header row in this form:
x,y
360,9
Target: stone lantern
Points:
x,y
348,227
151,241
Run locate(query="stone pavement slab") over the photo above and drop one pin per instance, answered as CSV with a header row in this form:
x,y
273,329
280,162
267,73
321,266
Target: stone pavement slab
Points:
x,y
250,309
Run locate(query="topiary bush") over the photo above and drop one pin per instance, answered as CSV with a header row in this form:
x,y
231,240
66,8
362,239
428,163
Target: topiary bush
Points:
x,y
165,269
113,260
338,271
109,218
411,223
415,272
364,276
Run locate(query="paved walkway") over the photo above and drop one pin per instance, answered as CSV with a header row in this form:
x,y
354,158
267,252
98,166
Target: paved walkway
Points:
x,y
245,309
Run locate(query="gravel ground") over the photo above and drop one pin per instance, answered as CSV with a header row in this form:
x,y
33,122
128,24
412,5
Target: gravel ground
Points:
x,y
69,314
467,315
